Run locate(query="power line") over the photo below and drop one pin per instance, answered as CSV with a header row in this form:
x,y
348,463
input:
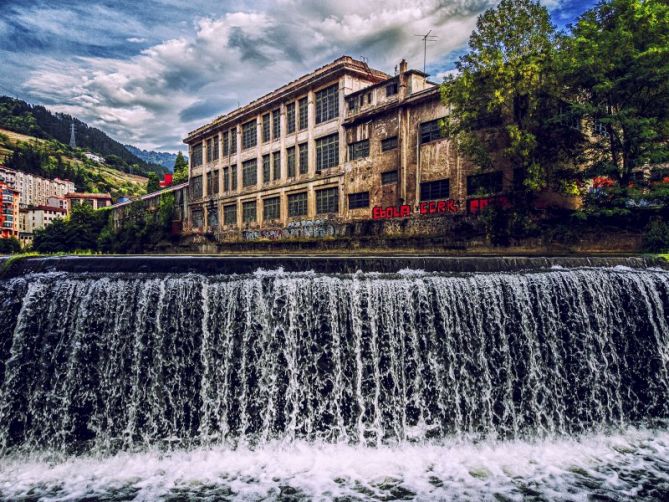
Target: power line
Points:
x,y
426,38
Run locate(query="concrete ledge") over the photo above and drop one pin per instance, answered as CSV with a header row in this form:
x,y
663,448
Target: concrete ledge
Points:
x,y
179,264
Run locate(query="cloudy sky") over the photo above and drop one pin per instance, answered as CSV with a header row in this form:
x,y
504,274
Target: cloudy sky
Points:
x,y
149,71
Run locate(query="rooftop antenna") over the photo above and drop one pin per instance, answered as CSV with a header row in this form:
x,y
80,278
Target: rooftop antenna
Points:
x,y
73,140
426,38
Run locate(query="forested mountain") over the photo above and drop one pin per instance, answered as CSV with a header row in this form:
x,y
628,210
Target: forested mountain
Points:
x,y
164,159
35,120
50,159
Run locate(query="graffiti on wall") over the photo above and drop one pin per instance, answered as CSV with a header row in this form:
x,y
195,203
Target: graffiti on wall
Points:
x,y
303,229
428,207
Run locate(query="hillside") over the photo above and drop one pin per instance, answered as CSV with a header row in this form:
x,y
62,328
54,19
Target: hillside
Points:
x,y
50,158
164,159
37,121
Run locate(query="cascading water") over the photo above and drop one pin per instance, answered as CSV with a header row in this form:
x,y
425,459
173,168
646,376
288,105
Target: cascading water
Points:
x,y
134,365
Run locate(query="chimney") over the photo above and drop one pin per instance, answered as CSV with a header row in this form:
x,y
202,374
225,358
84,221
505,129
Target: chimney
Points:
x,y
403,66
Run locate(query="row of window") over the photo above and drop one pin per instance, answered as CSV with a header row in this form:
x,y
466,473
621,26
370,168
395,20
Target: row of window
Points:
x,y
327,155
327,201
327,149
477,184
366,98
297,118
429,131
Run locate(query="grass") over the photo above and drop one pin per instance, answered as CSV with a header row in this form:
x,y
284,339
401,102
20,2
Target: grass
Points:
x,y
664,256
7,264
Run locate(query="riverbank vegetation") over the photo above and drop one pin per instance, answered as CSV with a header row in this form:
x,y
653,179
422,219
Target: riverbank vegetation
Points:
x,y
89,230
568,107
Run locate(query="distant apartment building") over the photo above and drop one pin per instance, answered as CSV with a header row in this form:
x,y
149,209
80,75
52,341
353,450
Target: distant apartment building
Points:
x,y
36,218
35,190
343,143
9,211
58,202
95,200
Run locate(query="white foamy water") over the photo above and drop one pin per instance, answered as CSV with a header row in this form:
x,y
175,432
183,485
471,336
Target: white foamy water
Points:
x,y
633,463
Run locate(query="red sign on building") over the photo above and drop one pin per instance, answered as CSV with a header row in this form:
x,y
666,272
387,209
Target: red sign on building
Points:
x,y
424,208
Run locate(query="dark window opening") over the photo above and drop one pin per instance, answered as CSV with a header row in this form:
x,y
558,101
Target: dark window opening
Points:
x,y
388,144
484,184
430,131
389,177
358,150
358,200
433,190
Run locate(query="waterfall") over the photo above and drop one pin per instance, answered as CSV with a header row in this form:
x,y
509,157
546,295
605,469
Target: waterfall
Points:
x,y
102,362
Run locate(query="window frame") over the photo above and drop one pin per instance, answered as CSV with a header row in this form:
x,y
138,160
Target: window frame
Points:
x,y
290,118
327,104
358,150
276,124
265,207
303,114
276,165
429,135
266,169
227,209
250,134
303,157
391,140
249,173
497,183
328,203
384,177
290,162
302,203
363,203
266,137
434,190
233,140
247,205
328,142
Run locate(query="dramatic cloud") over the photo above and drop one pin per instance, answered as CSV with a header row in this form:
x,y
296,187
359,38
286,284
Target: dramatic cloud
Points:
x,y
149,83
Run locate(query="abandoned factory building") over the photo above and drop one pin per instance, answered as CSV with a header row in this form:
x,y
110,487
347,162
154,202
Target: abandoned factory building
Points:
x,y
343,143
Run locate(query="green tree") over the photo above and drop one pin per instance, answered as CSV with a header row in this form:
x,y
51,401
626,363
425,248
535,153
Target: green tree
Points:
x,y
617,62
79,231
10,245
507,92
180,169
153,183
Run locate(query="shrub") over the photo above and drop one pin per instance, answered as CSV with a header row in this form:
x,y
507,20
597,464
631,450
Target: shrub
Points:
x,y
656,236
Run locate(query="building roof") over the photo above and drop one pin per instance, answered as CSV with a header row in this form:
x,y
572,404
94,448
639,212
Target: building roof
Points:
x,y
431,93
344,63
151,195
81,195
44,208
383,82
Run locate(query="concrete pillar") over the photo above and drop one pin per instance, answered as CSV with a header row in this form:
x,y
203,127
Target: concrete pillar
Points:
x,y
311,124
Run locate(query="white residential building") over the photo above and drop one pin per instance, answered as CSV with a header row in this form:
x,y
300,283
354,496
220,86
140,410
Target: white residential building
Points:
x,y
35,190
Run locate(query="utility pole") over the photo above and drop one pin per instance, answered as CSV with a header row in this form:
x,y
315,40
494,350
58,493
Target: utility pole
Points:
x,y
426,38
73,140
